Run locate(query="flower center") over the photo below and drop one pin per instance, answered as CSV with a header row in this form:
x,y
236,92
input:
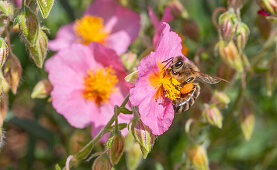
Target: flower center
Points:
x,y
90,29
99,84
166,85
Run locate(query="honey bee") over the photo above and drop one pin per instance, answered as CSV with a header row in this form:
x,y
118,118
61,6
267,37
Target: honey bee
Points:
x,y
187,73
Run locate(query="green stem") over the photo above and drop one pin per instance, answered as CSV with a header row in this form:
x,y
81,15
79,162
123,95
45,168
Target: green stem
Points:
x,y
84,152
116,118
23,4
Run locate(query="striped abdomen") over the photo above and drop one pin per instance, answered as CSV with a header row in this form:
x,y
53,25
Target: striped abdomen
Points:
x,y
187,100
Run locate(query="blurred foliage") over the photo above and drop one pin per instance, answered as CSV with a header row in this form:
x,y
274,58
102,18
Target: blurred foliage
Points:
x,y
39,138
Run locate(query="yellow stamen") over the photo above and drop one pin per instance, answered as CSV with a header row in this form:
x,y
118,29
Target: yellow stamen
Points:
x,y
90,29
164,83
99,85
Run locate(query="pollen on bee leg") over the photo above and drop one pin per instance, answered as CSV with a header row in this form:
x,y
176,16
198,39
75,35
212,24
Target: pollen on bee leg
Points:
x,y
187,88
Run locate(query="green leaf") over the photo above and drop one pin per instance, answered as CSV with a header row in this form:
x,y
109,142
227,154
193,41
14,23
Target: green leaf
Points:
x,y
45,7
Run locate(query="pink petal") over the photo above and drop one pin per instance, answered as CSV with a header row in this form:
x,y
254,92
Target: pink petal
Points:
x,y
169,44
70,103
167,16
119,41
108,57
66,73
64,38
157,115
119,20
153,18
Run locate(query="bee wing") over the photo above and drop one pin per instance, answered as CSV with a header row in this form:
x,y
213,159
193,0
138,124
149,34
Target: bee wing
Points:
x,y
207,78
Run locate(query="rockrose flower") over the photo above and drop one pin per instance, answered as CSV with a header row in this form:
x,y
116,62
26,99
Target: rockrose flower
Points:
x,y
87,82
105,22
167,16
154,90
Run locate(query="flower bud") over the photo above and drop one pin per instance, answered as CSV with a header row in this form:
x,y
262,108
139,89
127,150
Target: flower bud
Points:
x,y
102,162
242,36
269,6
213,115
116,148
143,136
198,156
42,89
132,77
4,51
176,7
28,25
4,103
220,99
227,25
133,152
247,121
12,73
6,9
230,55
128,60
38,52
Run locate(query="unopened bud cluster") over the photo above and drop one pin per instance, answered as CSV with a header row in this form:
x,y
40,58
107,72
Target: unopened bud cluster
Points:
x,y
233,35
116,148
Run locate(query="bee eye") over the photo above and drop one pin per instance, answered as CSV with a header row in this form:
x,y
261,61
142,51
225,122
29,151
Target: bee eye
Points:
x,y
190,79
178,64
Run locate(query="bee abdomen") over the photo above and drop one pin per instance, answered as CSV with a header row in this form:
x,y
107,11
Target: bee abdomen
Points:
x,y
185,102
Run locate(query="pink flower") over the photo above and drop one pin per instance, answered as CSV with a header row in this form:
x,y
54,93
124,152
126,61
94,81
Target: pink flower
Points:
x,y
105,22
167,16
154,90
87,82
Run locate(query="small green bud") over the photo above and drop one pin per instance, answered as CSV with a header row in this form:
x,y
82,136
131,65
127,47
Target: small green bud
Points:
x,y
28,25
220,99
247,121
42,89
213,115
242,36
12,72
38,52
132,77
230,55
133,152
198,156
116,148
227,25
6,9
102,162
143,136
4,51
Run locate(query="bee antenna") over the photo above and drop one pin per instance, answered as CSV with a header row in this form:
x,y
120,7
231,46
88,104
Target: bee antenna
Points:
x,y
168,61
